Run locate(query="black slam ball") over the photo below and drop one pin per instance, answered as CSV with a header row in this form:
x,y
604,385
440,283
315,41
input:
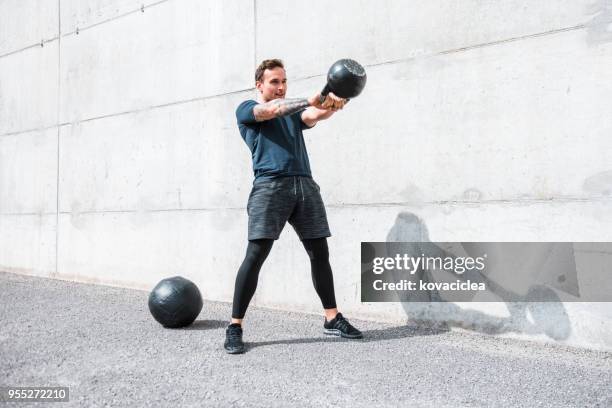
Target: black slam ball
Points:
x,y
175,302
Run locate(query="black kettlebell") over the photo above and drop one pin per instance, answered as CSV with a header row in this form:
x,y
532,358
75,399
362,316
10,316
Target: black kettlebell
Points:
x,y
346,78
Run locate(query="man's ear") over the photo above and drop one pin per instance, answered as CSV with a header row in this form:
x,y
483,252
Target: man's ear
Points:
x,y
258,85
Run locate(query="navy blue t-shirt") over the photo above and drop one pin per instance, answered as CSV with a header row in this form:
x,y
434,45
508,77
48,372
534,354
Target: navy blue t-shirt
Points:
x,y
277,145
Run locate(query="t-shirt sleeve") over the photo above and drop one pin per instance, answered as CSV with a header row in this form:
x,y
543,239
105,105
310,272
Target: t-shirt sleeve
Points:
x,y
244,112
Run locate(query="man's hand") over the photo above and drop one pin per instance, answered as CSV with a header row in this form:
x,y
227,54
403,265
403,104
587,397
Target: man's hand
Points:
x,y
322,110
331,102
315,101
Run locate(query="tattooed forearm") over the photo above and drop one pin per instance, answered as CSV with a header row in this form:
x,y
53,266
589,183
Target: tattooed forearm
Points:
x,y
279,107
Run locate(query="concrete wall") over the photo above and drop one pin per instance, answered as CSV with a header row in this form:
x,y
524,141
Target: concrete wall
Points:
x,y
121,163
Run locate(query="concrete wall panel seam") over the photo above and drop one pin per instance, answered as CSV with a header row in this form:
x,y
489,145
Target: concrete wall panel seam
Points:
x,y
27,47
59,104
140,9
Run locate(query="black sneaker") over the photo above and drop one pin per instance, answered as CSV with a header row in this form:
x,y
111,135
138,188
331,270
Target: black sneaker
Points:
x,y
339,326
233,339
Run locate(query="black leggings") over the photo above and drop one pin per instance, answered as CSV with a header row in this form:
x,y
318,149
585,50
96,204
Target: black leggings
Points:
x,y
256,254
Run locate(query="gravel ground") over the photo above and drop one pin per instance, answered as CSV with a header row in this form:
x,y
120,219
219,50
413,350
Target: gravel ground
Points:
x,y
102,343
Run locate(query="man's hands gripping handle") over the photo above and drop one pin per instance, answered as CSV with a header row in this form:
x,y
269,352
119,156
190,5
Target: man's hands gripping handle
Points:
x,y
327,100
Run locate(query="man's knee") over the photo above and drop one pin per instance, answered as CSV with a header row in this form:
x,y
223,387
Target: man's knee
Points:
x,y
258,249
316,248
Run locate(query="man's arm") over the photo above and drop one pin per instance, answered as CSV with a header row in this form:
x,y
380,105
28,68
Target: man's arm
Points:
x,y
283,107
332,103
312,115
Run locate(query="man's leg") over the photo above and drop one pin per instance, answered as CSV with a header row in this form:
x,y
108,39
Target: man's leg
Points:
x,y
270,204
248,274
322,277
246,283
335,324
309,219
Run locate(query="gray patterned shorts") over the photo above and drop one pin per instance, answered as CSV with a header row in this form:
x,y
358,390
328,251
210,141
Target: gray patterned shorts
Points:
x,y
296,199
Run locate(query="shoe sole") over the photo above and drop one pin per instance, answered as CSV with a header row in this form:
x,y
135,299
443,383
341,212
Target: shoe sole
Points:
x,y
336,332
234,351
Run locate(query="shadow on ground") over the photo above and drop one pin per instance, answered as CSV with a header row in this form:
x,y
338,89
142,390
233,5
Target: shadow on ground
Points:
x,y
206,325
391,333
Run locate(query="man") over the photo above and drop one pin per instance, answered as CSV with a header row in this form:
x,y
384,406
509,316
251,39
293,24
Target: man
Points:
x,y
283,190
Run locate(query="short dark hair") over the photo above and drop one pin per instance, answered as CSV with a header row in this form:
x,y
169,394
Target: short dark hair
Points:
x,y
267,64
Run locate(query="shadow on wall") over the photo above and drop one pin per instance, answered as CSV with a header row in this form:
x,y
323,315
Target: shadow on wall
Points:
x,y
549,318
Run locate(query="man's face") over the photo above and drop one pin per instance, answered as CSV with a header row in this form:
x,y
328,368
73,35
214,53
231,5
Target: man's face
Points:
x,y
273,84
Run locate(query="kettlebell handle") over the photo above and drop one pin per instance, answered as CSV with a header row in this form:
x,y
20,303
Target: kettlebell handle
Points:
x,y
324,93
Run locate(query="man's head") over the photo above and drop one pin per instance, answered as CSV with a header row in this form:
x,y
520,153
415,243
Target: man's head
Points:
x,y
270,79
